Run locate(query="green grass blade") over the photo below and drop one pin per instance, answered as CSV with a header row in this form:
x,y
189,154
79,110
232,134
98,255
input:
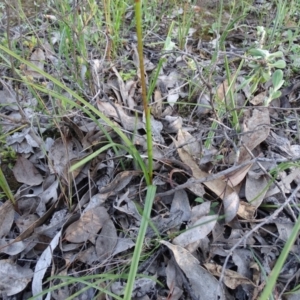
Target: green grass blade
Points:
x,y
90,108
139,242
267,292
6,189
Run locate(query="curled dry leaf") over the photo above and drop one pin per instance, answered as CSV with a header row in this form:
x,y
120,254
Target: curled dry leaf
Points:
x,y
116,112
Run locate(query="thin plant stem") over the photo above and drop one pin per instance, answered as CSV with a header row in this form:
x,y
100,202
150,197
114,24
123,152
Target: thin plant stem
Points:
x,y
138,16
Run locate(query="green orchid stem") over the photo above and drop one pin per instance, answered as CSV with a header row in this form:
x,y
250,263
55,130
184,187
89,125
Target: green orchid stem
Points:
x,y
138,17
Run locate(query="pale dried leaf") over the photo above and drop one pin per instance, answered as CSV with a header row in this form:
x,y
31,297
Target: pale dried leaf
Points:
x,y
284,229
8,246
259,98
237,176
61,153
172,124
199,230
25,172
190,144
13,278
120,181
87,226
231,206
256,130
37,58
242,259
246,211
42,266
258,126
106,241
199,211
156,108
172,281
25,221
115,111
231,279
217,186
181,203
203,284
256,190
7,214
123,244
173,96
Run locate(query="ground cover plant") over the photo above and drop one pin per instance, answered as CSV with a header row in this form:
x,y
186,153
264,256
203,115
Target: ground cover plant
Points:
x,y
149,150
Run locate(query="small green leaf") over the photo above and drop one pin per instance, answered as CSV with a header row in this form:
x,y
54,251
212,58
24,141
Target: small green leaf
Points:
x,y
276,54
281,64
259,52
199,200
266,76
275,95
277,79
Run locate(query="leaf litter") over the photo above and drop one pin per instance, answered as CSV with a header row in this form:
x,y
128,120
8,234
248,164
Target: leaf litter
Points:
x,y
213,231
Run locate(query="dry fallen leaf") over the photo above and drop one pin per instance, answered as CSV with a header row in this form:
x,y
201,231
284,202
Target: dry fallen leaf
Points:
x,y
7,214
256,130
87,226
25,172
256,189
199,230
231,205
203,284
219,187
231,279
13,278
